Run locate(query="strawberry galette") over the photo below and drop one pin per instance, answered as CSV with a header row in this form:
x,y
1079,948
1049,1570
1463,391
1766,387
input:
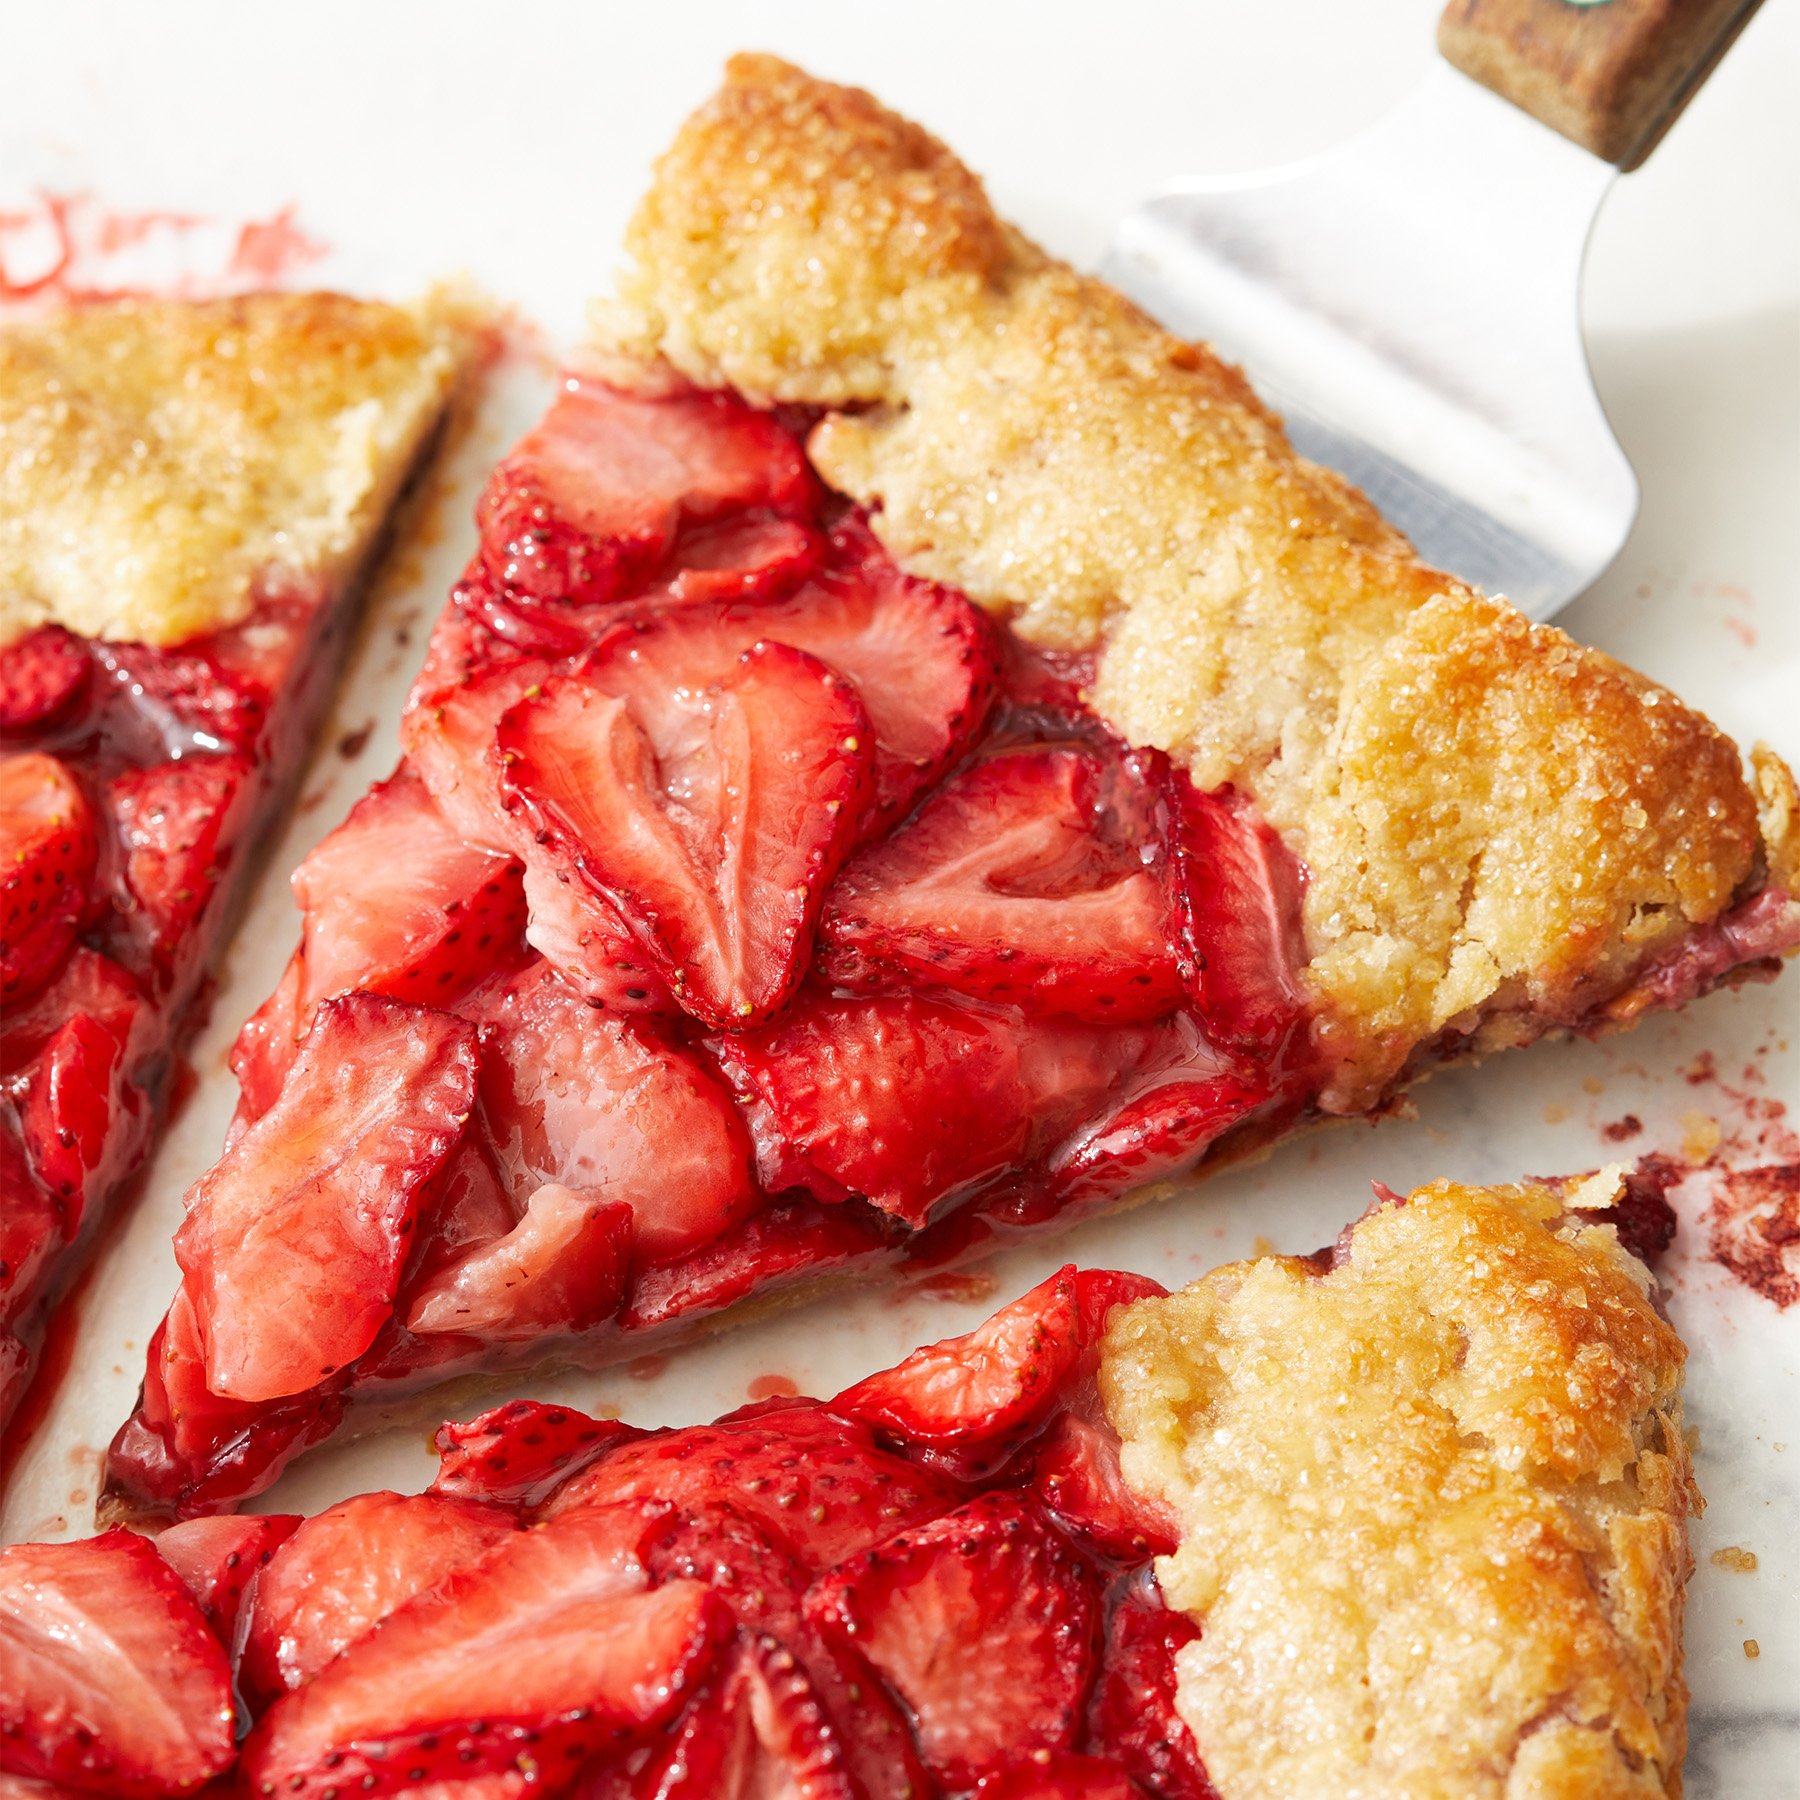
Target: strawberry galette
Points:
x,y
190,498
1404,1518
915,759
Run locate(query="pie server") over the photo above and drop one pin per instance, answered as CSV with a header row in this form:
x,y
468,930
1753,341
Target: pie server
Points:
x,y
1410,302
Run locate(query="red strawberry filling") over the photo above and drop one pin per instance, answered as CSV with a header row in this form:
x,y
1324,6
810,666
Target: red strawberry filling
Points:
x,y
934,1586
131,780
792,914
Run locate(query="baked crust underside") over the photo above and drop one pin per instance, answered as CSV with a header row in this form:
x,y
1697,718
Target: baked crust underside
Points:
x,y
1504,830
1434,1506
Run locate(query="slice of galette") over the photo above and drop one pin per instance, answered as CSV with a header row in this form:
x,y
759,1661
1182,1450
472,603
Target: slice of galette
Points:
x,y
915,760
1403,1520
192,496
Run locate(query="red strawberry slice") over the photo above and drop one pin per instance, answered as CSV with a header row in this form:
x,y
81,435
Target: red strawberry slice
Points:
x,y
1076,1474
1158,1131
560,1269
208,695
397,903
1238,891
1133,1720
712,819
109,1678
294,1241
346,1569
530,1660
783,1242
170,817
218,1559
31,1230
1025,880
588,501
588,942
937,1610
265,1047
744,559
88,984
47,853
517,1453
42,678
572,1095
1052,1775
759,1732
996,1382
69,1100
741,1558
819,1484
905,1101
920,656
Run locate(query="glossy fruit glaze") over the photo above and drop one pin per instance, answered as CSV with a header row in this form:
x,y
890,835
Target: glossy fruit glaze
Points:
x,y
132,781
937,1583
744,911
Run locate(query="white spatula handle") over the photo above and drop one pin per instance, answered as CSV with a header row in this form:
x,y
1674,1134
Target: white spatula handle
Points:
x,y
1613,75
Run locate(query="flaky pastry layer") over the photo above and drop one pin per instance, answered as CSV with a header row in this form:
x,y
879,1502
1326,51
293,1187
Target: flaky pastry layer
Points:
x,y
1495,819
162,462
1434,1506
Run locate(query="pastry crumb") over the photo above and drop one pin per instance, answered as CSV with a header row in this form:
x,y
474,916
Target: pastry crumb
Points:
x,y
1735,1557
1752,1649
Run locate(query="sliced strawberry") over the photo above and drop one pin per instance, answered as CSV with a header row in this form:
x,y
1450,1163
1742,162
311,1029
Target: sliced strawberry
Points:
x,y
589,500
996,1382
744,559
748,1564
294,1241
219,1558
185,1451
713,819
69,1099
208,695
913,1102
346,1569
47,853
758,1732
1053,1775
1158,1131
31,1228
397,903
517,1453
781,1243
1133,1720
43,676
547,1649
920,656
88,984
1075,1473
170,818
1025,880
572,1095
109,1677
938,1609
561,1269
588,942
266,1045
1238,891
820,1484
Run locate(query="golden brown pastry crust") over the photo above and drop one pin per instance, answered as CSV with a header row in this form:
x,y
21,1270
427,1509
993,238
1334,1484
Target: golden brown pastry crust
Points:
x,y
161,462
1500,825
1434,1506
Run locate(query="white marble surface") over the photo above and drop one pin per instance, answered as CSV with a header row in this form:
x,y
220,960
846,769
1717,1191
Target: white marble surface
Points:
x,y
418,140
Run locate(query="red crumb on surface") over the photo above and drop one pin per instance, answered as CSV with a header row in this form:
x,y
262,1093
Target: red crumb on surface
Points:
x,y
772,1387
1753,1228
954,1284
1622,1129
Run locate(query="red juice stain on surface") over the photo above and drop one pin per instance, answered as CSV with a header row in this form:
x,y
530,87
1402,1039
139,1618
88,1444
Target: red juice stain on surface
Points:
x,y
771,1387
1622,1129
71,249
952,1285
270,249
647,1367
1753,1229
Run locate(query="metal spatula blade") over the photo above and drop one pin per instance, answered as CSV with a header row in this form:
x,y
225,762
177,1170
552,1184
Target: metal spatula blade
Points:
x,y
1410,304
